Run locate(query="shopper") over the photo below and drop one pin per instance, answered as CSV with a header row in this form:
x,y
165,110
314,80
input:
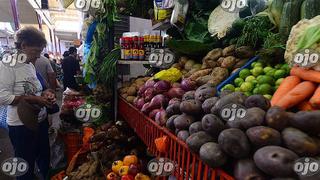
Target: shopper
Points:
x,y
44,67
70,67
20,89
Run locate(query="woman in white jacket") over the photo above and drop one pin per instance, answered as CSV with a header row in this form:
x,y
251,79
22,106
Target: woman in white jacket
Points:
x,y
19,85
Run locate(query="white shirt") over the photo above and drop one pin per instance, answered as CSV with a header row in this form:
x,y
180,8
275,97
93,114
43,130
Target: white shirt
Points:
x,y
17,81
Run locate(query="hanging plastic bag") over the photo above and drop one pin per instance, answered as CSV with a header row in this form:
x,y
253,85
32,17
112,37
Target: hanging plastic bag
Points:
x,y
179,14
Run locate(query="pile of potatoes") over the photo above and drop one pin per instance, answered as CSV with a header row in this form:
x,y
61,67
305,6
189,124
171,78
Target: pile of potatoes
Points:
x,y
216,66
264,144
129,89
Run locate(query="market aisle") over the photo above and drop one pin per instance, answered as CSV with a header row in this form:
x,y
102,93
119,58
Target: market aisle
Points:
x,y
6,150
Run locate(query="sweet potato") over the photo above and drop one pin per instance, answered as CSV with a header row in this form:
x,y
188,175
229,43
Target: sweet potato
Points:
x,y
200,73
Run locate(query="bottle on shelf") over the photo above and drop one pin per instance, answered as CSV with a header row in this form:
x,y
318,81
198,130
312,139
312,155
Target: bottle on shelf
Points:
x,y
141,49
135,48
127,51
122,45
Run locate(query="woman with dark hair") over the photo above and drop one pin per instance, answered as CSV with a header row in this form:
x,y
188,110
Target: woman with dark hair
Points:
x,y
22,90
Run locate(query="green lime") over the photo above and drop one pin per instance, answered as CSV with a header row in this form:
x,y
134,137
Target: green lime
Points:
x,y
285,67
238,82
237,89
271,72
278,66
265,79
229,87
268,96
280,74
267,69
279,81
250,78
258,64
256,90
265,89
259,77
244,73
256,71
253,64
248,94
246,87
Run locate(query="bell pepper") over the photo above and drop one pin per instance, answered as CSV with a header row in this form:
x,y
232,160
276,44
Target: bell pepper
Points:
x,y
141,176
127,177
130,159
116,165
112,176
123,170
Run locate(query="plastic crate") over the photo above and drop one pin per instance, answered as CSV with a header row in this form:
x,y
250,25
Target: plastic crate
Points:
x,y
178,151
236,74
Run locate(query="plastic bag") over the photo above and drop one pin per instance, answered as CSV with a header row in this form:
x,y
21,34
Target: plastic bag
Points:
x,y
172,75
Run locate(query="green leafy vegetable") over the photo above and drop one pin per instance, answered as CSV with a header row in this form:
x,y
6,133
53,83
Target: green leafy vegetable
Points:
x,y
309,37
255,31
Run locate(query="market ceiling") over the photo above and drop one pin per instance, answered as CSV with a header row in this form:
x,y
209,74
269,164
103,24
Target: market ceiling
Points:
x,y
66,22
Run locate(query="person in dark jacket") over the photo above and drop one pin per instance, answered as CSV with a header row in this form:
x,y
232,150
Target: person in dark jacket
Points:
x,y
70,68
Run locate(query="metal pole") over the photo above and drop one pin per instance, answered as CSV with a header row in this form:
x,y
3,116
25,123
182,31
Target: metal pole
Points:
x,y
15,14
39,21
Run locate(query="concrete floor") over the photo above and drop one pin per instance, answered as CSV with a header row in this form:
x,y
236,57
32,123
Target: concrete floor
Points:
x,y
6,151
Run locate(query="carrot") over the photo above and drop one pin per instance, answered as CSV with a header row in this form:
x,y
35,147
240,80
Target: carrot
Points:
x,y
297,95
286,85
315,99
308,75
306,106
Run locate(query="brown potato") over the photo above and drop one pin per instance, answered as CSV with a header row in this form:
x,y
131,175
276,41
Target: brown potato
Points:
x,y
228,62
213,55
132,91
229,51
130,99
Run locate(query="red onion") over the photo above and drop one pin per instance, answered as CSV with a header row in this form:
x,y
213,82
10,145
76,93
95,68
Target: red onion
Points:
x,y
158,101
175,93
142,90
146,108
149,83
188,85
135,101
149,93
140,103
153,113
174,100
161,117
162,86
176,85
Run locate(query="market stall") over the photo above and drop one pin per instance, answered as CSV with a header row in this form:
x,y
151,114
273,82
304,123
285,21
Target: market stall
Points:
x,y
226,91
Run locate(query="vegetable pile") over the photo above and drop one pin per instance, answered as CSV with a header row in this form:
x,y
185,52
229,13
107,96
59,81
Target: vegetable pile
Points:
x,y
300,90
260,79
104,147
267,139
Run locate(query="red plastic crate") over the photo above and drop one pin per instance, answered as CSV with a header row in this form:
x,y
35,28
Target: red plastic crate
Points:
x,y
186,161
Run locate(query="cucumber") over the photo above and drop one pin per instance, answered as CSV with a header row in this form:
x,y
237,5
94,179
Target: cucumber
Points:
x,y
290,17
276,10
310,9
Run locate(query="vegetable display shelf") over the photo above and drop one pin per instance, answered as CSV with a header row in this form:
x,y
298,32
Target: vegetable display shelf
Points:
x,y
189,165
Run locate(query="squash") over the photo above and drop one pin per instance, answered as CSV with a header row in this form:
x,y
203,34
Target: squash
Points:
x,y
290,17
310,9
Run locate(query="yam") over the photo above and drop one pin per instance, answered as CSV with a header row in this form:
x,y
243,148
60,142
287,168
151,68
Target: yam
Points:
x,y
229,51
200,73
